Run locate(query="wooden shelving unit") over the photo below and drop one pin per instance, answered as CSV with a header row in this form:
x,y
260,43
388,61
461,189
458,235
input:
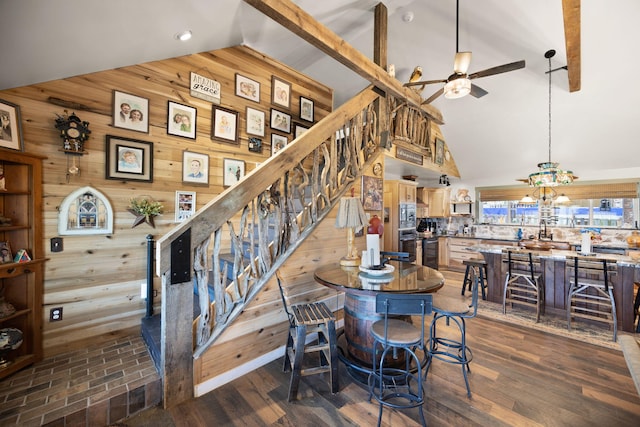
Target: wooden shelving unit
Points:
x,y
22,283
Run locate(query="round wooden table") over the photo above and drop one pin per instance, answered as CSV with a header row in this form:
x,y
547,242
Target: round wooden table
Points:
x,y
360,291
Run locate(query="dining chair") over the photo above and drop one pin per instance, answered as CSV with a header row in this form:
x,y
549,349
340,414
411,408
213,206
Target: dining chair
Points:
x,y
523,284
453,348
395,383
591,291
306,320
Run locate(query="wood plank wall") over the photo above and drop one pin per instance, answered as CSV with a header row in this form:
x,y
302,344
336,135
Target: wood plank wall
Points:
x,y
96,279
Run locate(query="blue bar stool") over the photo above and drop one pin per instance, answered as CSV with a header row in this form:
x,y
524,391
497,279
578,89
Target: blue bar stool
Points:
x,y
451,350
398,385
480,267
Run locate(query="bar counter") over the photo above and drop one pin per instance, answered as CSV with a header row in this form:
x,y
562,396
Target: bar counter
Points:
x,y
556,280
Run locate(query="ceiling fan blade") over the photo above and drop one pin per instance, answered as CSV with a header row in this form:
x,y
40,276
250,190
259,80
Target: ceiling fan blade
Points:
x,y
498,70
424,82
434,96
477,91
461,62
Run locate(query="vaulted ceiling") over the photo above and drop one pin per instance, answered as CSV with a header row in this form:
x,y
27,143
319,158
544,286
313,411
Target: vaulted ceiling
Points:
x,y
494,139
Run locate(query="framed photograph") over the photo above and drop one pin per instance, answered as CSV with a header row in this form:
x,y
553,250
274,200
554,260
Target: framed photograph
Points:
x,y
306,109
225,125
299,129
11,131
278,142
439,154
130,112
195,168
5,253
255,122
181,120
255,145
247,88
280,92
280,121
372,193
185,204
128,159
233,171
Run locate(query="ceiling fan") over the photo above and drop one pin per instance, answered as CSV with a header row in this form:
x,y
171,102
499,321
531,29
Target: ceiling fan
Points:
x,y
459,83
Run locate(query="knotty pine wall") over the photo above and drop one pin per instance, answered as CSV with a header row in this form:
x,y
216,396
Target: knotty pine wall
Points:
x,y
96,279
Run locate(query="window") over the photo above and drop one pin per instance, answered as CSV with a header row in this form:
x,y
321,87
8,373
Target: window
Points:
x,y
603,213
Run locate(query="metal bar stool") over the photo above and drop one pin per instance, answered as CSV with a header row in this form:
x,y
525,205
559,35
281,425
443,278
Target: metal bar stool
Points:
x,y
480,267
306,319
523,284
591,291
398,385
453,350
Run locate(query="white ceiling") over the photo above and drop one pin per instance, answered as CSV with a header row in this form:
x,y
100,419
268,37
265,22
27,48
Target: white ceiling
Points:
x,y
494,139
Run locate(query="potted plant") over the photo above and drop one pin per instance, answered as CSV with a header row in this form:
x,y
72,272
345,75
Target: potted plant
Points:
x,y
145,209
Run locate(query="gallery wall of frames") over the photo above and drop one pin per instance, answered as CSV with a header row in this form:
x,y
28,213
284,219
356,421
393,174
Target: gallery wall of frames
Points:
x,y
174,134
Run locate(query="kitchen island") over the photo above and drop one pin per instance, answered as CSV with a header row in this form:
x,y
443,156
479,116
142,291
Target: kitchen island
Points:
x,y
556,280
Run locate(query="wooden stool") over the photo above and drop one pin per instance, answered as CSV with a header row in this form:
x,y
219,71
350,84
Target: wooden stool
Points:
x,y
305,319
480,267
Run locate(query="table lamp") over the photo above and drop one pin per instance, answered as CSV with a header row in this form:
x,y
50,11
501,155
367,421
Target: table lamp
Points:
x,y
351,216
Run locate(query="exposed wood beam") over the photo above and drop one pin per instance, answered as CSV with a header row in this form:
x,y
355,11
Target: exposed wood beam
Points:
x,y
571,15
305,26
380,36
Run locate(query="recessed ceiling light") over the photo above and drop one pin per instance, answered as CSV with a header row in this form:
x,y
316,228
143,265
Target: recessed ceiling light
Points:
x,y
184,35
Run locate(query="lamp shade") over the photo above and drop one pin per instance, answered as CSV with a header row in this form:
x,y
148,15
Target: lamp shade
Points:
x,y
351,214
457,88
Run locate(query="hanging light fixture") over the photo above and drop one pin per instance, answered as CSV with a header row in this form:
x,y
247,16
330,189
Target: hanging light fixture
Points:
x,y
549,175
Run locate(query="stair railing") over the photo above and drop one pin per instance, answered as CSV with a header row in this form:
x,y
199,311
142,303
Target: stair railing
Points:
x,y
266,216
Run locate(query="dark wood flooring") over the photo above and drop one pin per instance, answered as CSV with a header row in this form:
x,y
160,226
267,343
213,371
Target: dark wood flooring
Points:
x,y
519,377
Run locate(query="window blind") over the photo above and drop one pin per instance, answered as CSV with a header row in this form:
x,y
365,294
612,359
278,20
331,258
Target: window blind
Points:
x,y
619,190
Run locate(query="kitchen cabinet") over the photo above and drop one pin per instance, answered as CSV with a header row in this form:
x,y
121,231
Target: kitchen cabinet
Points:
x,y
21,282
443,252
436,200
407,192
458,252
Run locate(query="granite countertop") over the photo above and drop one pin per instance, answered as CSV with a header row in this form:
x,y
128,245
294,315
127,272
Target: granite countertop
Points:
x,y
573,243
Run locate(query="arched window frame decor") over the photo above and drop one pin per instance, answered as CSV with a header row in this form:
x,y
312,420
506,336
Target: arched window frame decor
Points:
x,y
81,199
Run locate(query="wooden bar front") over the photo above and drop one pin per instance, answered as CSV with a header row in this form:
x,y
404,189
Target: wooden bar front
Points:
x,y
556,283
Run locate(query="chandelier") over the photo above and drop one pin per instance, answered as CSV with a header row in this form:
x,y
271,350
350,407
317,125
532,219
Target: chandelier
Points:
x,y
549,174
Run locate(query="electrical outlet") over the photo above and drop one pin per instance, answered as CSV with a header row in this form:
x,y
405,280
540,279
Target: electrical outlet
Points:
x,y
143,290
55,314
56,244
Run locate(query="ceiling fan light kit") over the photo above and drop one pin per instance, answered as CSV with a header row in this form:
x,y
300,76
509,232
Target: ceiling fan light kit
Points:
x,y
457,88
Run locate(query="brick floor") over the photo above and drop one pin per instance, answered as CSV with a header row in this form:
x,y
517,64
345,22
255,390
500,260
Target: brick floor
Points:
x,y
93,387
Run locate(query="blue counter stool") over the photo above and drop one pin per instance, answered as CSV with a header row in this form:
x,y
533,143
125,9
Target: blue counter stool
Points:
x,y
398,385
523,284
591,291
480,267
453,350
305,319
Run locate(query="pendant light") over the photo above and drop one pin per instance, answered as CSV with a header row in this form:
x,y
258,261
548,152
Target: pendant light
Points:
x,y
549,175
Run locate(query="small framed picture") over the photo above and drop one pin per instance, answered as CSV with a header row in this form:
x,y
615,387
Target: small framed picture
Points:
x,y
233,171
255,145
185,204
372,193
247,88
306,109
181,120
255,122
195,168
299,129
439,153
128,159
225,125
280,121
130,112
11,131
280,92
5,253
278,142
